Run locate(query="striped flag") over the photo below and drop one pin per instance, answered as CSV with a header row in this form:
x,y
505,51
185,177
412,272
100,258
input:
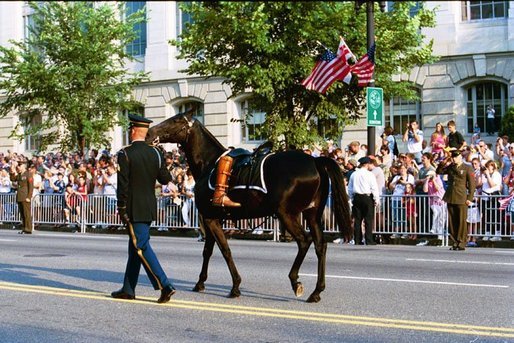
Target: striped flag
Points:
x,y
504,203
329,69
364,67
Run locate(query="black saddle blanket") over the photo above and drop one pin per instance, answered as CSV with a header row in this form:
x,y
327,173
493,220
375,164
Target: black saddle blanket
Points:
x,y
247,173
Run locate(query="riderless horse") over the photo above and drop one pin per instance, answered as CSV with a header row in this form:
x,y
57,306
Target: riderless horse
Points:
x,y
297,185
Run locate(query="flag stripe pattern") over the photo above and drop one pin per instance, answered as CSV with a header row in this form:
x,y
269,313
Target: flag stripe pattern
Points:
x,y
329,69
504,203
365,67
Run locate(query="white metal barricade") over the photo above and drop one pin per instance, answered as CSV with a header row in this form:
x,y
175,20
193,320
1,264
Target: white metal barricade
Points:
x,y
415,215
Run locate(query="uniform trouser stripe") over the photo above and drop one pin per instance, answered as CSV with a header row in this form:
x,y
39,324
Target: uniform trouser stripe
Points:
x,y
133,238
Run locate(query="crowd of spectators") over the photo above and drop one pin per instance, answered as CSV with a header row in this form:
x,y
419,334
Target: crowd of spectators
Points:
x,y
400,174
77,176
404,173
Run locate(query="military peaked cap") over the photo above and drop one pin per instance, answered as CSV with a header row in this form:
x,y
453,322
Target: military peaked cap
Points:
x,y
138,121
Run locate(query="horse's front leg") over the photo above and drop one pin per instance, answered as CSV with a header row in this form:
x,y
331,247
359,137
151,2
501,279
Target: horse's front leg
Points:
x,y
221,240
207,253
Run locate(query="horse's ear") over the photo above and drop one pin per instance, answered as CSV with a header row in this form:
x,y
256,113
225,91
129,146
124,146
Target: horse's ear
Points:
x,y
189,113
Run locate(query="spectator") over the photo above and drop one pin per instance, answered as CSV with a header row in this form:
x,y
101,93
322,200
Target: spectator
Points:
x,y
5,181
438,142
398,185
454,139
389,140
490,120
484,154
491,185
72,205
387,158
433,186
188,192
354,151
504,154
414,138
409,202
476,134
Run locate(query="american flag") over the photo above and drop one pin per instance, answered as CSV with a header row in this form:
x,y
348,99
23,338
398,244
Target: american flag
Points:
x,y
329,69
504,203
364,67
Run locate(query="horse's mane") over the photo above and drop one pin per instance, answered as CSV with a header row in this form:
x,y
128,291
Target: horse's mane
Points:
x,y
207,133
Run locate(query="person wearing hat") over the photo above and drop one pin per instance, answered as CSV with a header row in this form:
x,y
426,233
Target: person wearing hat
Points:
x,y
140,165
364,193
24,188
458,196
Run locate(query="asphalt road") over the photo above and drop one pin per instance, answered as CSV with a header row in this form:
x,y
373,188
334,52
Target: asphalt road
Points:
x,y
55,287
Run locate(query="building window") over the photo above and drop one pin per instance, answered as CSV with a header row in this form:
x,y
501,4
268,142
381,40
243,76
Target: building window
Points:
x,y
198,113
399,112
138,46
477,10
32,141
481,95
251,128
184,19
413,10
140,111
327,128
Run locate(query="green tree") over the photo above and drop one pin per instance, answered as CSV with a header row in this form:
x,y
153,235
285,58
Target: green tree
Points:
x,y
270,47
71,72
507,124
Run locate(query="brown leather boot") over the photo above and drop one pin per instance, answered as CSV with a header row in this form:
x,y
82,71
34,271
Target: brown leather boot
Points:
x,y
220,197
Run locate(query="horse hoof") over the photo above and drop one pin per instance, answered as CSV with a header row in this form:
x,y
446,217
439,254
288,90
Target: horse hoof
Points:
x,y
199,288
298,289
234,294
314,298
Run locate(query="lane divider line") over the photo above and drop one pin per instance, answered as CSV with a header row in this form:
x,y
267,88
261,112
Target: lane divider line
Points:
x,y
409,281
276,313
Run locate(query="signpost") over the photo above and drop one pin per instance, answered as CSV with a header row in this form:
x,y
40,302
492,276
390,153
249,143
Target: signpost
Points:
x,y
375,106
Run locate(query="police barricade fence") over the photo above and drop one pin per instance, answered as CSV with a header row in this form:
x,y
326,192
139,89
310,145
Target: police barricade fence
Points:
x,y
408,215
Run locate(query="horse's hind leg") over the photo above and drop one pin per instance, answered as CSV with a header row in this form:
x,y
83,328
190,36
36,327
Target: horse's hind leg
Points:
x,y
321,252
292,224
207,253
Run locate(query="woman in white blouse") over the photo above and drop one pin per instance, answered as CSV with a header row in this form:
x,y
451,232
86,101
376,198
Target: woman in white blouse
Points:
x,y
491,182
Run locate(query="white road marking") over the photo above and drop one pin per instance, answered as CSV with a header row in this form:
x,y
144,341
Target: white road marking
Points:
x,y
410,281
7,240
505,251
466,262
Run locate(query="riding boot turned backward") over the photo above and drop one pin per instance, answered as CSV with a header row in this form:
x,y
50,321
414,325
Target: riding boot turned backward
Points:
x,y
220,197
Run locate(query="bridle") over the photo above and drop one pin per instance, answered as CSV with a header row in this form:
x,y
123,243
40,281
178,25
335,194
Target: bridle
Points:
x,y
188,125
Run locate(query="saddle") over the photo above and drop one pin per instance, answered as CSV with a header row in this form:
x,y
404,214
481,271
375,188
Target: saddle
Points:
x,y
247,170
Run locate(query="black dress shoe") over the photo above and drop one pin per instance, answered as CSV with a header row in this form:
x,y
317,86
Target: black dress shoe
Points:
x,y
122,295
166,294
460,248
25,232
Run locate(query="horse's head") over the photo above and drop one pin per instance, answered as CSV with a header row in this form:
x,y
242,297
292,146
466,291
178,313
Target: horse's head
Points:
x,y
173,130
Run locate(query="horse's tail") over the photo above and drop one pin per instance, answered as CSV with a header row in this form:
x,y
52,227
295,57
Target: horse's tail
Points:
x,y
340,203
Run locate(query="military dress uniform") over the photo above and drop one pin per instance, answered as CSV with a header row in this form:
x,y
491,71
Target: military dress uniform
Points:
x,y
139,166
461,187
25,187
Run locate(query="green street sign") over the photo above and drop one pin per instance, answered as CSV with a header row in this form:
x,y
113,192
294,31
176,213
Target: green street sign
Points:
x,y
375,106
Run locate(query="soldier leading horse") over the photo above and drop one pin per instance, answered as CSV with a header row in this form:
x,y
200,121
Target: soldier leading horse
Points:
x,y
297,184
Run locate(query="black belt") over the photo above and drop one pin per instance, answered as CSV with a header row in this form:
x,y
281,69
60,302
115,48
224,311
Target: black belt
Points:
x,y
363,194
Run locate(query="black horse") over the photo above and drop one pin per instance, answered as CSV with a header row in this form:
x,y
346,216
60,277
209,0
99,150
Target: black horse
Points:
x,y
297,184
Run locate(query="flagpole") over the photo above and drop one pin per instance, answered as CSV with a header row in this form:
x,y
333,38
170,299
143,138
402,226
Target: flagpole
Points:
x,y
370,32
370,25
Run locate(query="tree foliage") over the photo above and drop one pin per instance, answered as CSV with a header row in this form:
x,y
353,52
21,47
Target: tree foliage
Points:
x,y
507,124
71,72
270,47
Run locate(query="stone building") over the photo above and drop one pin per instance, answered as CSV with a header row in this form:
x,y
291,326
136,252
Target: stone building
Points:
x,y
474,40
